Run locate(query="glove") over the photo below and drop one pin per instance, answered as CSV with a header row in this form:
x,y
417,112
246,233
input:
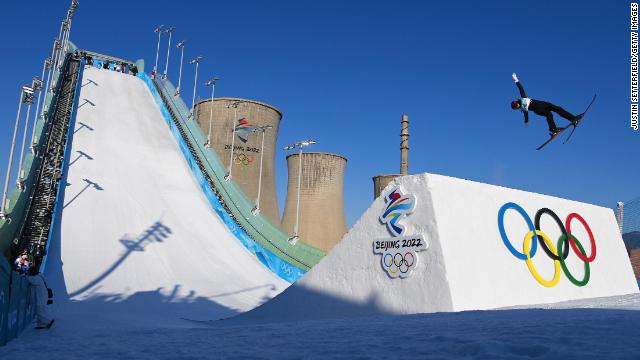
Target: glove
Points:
x,y
515,77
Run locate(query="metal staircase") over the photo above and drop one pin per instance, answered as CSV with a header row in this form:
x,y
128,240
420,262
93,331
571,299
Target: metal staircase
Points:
x,y
34,231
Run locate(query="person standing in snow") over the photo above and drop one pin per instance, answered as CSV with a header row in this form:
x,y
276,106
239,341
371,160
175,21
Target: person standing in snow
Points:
x,y
541,108
43,313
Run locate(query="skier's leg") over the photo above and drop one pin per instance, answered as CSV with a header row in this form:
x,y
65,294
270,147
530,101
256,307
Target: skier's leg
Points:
x,y
544,108
564,113
552,125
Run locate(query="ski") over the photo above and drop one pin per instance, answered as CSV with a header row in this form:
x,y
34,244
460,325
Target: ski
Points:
x,y
571,133
566,127
579,121
560,131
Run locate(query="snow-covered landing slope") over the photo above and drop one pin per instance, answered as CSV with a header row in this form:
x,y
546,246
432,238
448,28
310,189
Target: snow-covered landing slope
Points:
x,y
450,255
137,243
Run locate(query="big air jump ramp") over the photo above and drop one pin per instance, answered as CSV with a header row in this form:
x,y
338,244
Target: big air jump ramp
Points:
x,y
433,243
136,242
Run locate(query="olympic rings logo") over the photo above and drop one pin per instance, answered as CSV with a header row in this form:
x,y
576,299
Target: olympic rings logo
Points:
x,y
558,253
243,159
398,262
399,255
286,269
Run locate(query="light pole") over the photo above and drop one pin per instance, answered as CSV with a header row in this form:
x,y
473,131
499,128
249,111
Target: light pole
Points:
x,y
41,97
227,177
196,61
70,14
158,31
299,145
211,83
67,34
57,45
620,215
53,67
65,39
36,84
166,65
60,57
23,95
256,209
180,46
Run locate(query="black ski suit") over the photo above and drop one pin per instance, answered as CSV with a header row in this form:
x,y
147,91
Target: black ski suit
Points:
x,y
542,108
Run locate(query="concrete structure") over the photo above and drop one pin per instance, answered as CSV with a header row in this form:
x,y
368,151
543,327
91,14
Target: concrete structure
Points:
x,y
466,265
381,181
246,164
404,145
322,222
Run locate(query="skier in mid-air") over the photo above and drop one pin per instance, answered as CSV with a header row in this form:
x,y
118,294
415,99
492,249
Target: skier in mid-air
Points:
x,y
541,108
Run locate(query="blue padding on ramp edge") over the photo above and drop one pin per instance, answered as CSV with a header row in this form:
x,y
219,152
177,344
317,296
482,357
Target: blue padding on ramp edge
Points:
x,y
283,269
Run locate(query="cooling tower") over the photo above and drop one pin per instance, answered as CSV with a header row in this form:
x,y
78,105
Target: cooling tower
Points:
x,y
380,182
322,222
245,170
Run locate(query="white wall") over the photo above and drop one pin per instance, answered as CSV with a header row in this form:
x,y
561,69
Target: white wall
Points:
x,y
483,274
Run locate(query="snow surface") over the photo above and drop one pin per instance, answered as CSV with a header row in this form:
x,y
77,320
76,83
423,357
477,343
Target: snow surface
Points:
x,y
138,243
605,328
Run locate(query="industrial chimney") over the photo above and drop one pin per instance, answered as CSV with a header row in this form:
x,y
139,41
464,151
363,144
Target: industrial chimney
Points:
x,y
321,220
404,145
381,181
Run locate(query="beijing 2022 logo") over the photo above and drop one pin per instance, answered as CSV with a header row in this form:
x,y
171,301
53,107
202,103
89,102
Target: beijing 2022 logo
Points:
x,y
559,253
399,253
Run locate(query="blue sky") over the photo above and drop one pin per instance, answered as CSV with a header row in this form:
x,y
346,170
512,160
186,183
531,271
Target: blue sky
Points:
x,y
343,72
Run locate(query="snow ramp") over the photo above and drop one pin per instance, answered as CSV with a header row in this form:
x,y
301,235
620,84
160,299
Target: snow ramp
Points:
x,y
137,242
433,243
